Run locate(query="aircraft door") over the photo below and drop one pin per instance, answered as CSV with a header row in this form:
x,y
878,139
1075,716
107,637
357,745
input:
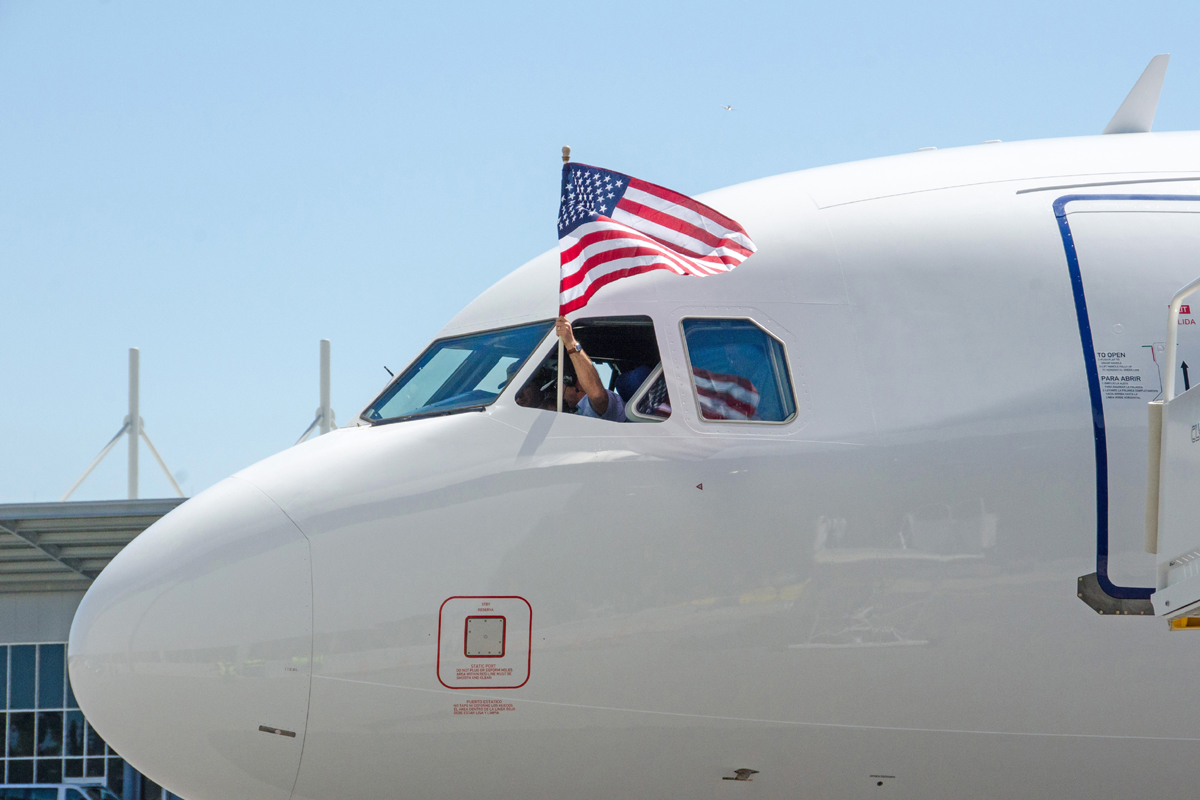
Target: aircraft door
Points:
x,y
1132,253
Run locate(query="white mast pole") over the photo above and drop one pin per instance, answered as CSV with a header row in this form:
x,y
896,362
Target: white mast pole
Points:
x,y
326,413
134,429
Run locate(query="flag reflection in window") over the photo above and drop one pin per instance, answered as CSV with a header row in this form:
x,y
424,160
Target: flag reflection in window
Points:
x,y
739,371
652,402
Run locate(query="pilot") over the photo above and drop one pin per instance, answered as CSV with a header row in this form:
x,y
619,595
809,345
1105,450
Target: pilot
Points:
x,y
529,395
539,392
627,383
587,393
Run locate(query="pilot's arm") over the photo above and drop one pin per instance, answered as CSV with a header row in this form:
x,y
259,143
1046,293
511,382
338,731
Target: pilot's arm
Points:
x,y
585,370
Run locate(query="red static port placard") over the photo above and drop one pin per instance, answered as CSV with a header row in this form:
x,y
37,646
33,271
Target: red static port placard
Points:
x,y
505,620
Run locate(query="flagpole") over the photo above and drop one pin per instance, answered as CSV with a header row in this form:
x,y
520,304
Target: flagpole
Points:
x,y
560,374
566,157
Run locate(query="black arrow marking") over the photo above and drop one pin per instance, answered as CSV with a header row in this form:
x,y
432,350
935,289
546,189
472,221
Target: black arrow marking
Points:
x,y
1186,384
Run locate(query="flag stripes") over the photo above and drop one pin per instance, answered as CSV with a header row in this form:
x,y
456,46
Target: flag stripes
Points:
x,y
707,224
725,396
672,233
612,226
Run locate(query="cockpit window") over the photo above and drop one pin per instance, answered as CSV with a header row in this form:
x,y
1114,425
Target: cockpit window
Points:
x,y
624,354
651,403
459,373
740,372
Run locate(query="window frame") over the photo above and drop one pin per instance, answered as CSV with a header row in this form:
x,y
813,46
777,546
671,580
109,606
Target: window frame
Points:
x,y
539,357
787,366
63,706
631,412
447,411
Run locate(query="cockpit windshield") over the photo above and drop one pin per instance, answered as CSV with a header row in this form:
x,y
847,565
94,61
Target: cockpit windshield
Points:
x,y
459,373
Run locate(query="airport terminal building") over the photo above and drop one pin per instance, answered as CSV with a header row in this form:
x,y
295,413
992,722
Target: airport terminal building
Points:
x,y
49,554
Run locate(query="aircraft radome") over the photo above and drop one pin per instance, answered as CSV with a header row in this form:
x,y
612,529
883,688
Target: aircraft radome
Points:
x,y
870,588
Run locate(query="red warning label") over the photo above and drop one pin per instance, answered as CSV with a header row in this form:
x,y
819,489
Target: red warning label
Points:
x,y
479,708
484,642
482,672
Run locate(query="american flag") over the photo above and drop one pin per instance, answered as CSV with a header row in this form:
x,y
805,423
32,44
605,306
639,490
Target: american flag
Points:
x,y
725,396
611,226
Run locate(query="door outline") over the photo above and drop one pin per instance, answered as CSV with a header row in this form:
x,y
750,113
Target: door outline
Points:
x,y
1093,379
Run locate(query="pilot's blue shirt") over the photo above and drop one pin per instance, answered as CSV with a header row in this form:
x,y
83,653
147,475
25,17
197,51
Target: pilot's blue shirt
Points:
x,y
614,413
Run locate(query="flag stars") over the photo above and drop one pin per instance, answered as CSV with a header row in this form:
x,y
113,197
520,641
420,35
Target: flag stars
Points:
x,y
588,193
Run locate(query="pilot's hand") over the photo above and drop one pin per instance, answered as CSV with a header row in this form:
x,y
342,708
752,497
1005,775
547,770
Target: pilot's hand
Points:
x,y
563,329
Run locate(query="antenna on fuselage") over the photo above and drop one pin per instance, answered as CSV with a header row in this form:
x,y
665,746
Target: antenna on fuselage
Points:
x,y
1136,114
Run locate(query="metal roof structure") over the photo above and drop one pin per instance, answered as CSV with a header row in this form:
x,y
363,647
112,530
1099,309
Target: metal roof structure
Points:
x,y
57,547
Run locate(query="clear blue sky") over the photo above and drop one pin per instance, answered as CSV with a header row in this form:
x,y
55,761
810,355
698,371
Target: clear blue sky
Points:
x,y
224,184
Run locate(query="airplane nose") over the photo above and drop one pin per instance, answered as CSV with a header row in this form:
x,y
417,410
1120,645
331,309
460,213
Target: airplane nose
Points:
x,y
190,652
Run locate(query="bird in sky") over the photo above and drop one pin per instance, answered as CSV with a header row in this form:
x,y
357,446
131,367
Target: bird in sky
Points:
x,y
727,108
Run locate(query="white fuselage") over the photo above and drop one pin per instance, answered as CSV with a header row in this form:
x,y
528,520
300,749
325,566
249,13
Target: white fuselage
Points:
x,y
877,599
